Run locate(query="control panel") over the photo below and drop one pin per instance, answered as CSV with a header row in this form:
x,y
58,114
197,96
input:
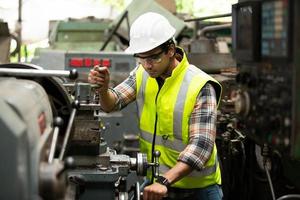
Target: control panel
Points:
x,y
275,29
266,98
120,64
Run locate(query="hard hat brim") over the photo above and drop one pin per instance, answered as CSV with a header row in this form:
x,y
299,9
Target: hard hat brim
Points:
x,y
134,50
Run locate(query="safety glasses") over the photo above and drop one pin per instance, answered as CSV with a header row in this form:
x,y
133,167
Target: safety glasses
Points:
x,y
152,59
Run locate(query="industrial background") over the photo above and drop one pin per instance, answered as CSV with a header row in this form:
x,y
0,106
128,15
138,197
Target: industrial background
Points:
x,y
55,142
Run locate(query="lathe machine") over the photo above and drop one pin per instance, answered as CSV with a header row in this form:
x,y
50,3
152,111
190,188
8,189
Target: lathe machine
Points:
x,y
51,142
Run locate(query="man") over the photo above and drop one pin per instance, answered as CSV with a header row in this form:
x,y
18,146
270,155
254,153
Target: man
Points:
x,y
177,105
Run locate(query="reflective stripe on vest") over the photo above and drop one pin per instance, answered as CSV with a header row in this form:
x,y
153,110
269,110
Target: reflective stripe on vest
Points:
x,y
140,96
177,125
174,144
178,146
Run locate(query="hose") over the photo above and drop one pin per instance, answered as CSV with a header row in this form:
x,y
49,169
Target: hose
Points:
x,y
270,182
289,196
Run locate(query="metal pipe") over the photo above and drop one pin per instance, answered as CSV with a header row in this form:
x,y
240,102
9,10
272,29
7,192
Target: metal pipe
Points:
x,y
208,17
114,30
67,135
72,74
213,28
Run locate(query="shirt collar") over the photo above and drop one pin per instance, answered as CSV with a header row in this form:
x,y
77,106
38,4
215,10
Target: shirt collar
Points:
x,y
183,64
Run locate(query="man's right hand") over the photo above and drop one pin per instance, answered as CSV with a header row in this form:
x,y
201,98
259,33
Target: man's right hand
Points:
x,y
100,76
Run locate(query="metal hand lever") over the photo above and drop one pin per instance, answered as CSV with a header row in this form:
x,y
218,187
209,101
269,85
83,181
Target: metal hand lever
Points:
x,y
76,105
58,122
72,74
155,164
73,85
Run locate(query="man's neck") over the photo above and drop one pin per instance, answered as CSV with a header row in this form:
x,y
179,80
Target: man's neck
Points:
x,y
173,64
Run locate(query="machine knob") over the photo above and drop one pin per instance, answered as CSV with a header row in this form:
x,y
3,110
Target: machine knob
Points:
x,y
73,74
58,121
76,104
157,154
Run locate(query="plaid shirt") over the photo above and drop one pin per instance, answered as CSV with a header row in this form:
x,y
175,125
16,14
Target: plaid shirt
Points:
x,y
202,123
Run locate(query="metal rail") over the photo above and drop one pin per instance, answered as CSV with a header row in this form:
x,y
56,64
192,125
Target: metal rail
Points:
x,y
72,74
208,17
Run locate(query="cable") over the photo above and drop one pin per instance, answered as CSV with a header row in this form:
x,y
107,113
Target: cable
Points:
x,y
289,196
269,180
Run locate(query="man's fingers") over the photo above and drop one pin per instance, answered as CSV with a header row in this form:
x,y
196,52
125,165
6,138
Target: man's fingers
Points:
x,y
99,75
101,69
94,72
96,79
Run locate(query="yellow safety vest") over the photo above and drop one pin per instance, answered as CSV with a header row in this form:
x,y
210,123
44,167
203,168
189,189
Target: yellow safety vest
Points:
x,y
167,112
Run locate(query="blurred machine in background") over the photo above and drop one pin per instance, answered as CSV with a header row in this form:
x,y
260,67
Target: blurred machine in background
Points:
x,y
258,135
86,34
210,46
260,151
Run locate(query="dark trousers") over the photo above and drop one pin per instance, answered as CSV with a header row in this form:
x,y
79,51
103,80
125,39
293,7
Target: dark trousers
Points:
x,y
212,192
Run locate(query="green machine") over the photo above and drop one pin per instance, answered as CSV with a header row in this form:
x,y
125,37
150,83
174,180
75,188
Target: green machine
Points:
x,y
87,34
93,34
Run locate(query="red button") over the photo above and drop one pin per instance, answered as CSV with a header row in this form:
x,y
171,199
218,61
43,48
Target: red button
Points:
x,y
106,63
76,62
97,62
88,62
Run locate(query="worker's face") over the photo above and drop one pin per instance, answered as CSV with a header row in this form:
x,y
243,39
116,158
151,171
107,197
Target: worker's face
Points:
x,y
156,62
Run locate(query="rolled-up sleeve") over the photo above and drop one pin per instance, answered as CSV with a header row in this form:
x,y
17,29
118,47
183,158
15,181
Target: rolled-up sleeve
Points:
x,y
202,129
125,92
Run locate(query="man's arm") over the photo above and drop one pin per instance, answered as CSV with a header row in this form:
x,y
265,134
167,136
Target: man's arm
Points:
x,y
179,171
100,76
157,190
202,129
113,98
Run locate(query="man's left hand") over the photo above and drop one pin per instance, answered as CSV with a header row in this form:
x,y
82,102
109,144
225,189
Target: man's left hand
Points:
x,y
155,191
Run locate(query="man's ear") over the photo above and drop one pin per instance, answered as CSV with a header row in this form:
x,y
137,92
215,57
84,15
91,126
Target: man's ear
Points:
x,y
172,50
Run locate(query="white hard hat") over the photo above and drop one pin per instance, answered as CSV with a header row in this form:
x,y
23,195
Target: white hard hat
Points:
x,y
149,31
